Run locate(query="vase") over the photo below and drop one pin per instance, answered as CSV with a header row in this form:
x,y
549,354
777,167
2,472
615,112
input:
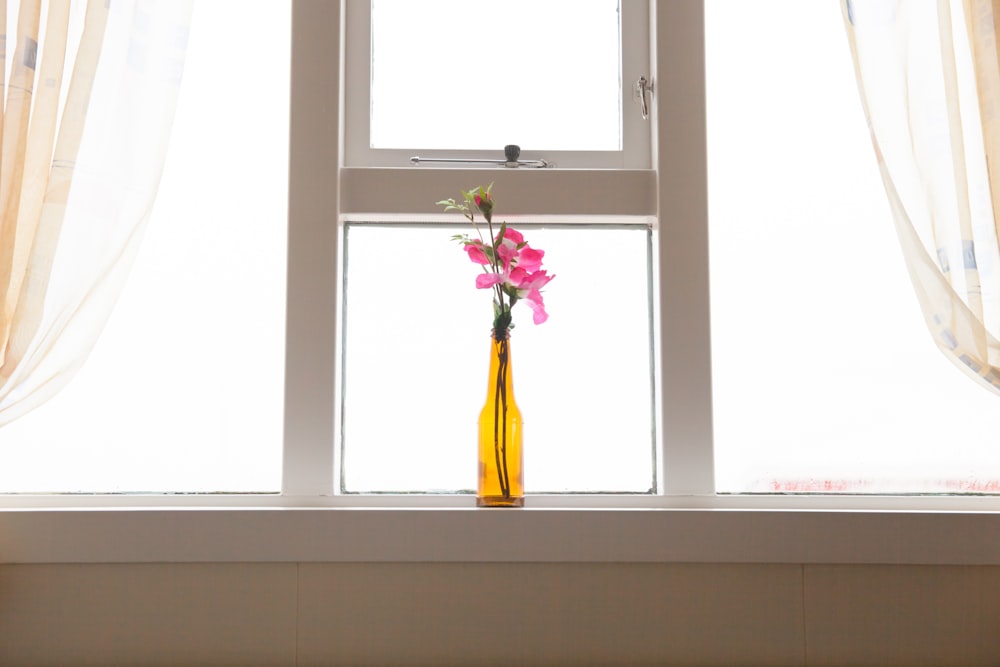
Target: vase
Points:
x,y
501,462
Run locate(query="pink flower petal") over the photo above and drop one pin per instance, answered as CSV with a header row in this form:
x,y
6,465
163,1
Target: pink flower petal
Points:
x,y
507,252
512,234
487,280
517,277
530,259
535,281
534,301
475,252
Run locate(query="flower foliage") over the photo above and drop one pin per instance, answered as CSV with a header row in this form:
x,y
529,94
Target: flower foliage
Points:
x,y
511,268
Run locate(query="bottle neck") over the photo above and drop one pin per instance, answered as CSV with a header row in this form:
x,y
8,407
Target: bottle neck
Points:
x,y
501,373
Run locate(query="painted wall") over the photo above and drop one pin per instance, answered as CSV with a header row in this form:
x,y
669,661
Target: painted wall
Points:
x,y
498,614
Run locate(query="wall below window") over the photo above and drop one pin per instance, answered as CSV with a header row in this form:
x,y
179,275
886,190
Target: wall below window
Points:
x,y
497,614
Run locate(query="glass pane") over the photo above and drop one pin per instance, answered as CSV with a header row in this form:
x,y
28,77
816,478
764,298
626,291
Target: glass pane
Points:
x,y
416,349
473,74
184,390
825,376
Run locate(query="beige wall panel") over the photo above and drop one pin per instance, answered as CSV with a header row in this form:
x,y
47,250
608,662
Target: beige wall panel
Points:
x,y
549,614
902,615
147,614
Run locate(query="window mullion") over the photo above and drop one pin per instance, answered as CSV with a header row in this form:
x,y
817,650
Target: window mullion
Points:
x,y
311,355
687,465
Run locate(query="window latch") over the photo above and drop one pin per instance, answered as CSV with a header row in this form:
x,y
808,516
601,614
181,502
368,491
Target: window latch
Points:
x,y
642,92
511,153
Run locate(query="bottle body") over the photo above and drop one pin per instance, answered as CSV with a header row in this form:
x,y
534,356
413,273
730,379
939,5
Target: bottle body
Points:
x,y
501,460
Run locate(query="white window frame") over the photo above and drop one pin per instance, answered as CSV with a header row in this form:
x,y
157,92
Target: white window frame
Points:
x,y
635,153
686,522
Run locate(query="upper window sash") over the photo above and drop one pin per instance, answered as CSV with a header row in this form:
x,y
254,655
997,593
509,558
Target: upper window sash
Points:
x,y
636,133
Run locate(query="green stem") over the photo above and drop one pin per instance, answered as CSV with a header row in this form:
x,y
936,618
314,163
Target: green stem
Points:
x,y
495,262
504,364
500,449
500,452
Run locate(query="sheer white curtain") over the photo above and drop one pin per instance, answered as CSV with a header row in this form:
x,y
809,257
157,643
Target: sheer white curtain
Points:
x,y
89,90
930,84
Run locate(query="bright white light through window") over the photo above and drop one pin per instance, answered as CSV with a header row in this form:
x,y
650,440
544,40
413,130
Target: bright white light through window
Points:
x,y
184,390
482,74
825,377
416,350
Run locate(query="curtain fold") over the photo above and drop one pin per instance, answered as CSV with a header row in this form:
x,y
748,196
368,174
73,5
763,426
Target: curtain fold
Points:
x,y
87,113
929,77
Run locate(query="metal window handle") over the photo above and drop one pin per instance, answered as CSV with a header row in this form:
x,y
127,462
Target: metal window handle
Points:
x,y
640,90
511,154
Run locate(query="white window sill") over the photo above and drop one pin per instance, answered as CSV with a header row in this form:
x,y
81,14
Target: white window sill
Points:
x,y
849,530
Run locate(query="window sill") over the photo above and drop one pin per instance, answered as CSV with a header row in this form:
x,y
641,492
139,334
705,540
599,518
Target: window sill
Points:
x,y
851,530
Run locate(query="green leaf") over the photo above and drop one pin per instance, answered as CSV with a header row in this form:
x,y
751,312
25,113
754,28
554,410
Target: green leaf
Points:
x,y
502,321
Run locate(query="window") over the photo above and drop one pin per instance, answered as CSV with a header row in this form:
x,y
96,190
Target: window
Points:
x,y
415,377
613,216
825,379
673,197
517,76
183,392
195,346
749,446
565,96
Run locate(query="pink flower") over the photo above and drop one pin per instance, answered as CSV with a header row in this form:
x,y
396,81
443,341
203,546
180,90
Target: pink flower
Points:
x,y
530,259
475,252
484,202
524,282
515,252
507,246
528,286
487,280
538,314
511,267
522,276
512,234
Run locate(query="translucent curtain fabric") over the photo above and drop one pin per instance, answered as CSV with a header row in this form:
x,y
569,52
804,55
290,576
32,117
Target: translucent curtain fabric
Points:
x,y
89,91
929,81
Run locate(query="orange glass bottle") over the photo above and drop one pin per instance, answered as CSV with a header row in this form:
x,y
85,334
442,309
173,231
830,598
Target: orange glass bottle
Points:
x,y
501,461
